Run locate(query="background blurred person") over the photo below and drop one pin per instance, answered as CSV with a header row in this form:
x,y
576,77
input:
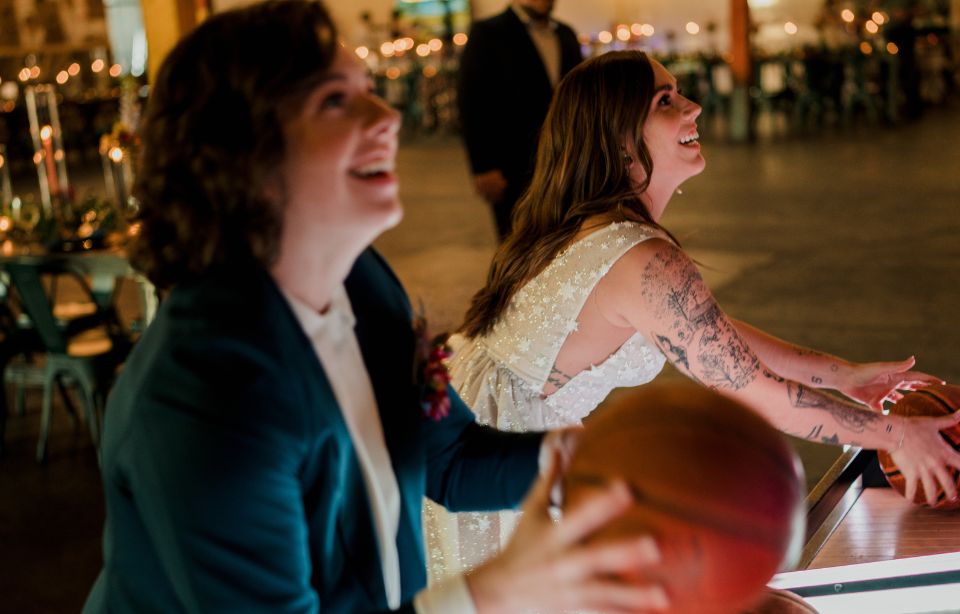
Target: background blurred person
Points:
x,y
508,70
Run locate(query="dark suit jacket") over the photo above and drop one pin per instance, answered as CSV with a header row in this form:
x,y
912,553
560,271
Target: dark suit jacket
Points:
x,y
504,93
231,480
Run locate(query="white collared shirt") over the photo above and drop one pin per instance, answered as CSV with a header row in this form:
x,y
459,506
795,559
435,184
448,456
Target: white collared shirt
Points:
x,y
336,346
545,39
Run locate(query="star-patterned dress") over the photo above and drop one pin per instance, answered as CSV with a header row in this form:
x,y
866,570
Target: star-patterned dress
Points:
x,y
502,376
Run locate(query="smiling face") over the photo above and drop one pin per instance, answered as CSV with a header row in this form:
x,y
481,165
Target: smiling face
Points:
x,y
338,170
670,135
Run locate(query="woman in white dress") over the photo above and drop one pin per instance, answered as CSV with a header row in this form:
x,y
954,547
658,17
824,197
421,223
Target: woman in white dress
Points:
x,y
590,293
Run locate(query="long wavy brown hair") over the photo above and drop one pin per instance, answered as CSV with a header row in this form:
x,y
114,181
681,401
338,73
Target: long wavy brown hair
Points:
x,y
580,172
212,137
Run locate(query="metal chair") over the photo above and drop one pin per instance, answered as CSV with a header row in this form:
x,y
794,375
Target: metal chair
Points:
x,y
84,351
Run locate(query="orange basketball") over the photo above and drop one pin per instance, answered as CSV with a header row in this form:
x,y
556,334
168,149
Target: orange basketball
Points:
x,y
939,400
776,601
716,485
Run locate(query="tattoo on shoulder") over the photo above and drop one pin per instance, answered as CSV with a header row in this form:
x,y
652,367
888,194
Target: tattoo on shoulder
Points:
x,y
698,328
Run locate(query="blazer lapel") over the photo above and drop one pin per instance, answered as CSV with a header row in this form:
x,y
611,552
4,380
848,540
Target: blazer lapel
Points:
x,y
356,552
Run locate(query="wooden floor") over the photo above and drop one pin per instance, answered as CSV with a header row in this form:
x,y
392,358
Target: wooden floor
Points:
x,y
883,526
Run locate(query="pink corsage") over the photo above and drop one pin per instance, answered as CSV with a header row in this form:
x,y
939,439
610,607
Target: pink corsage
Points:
x,y
431,372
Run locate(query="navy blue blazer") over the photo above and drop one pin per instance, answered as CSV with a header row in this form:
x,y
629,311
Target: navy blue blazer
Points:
x,y
230,477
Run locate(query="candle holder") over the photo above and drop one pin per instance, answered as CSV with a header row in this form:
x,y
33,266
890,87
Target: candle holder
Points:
x,y
48,156
6,188
117,172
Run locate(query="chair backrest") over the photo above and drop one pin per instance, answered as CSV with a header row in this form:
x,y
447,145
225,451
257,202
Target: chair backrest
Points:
x,y
26,278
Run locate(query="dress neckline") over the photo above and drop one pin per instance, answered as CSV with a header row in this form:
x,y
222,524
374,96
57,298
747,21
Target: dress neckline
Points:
x,y
593,234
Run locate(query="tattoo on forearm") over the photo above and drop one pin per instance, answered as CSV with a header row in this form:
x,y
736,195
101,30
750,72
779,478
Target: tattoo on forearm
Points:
x,y
698,328
557,377
816,380
771,375
832,440
855,419
808,352
814,432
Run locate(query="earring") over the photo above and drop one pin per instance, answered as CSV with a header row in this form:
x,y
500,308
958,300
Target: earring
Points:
x,y
679,191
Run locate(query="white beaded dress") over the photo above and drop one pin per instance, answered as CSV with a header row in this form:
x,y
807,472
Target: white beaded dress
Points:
x,y
501,376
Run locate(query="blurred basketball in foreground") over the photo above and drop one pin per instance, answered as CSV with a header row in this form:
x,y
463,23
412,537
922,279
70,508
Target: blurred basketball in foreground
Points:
x,y
716,485
939,400
775,601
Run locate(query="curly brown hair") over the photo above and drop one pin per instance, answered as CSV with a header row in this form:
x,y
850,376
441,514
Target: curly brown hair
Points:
x,y
579,173
212,138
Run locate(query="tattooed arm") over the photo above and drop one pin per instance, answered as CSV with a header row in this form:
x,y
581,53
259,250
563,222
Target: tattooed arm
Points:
x,y
870,383
792,361
656,289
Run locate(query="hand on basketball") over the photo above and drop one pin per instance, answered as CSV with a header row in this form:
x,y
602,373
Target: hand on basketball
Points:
x,y
872,383
547,567
925,458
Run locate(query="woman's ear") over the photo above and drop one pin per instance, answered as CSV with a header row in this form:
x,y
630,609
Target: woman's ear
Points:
x,y
273,188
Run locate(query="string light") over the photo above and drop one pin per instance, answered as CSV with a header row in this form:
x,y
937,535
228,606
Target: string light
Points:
x,y
847,15
693,27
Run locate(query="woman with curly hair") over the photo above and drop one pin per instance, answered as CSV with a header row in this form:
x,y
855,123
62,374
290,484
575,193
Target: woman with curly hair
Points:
x,y
265,448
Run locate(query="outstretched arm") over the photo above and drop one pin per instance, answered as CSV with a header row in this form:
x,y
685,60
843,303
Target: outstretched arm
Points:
x,y
657,290
870,383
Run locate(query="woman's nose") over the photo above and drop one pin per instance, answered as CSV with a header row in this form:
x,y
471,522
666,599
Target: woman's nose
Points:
x,y
381,117
693,109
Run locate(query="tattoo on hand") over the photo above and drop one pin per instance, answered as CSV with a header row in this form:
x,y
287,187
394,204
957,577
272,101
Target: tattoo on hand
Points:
x,y
698,325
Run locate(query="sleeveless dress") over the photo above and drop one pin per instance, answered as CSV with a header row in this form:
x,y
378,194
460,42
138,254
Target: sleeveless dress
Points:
x,y
502,374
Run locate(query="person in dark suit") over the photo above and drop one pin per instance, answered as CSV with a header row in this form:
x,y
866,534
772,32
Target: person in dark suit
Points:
x,y
268,444
509,68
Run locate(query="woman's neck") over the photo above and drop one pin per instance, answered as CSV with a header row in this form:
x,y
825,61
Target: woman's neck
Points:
x,y
656,198
312,273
